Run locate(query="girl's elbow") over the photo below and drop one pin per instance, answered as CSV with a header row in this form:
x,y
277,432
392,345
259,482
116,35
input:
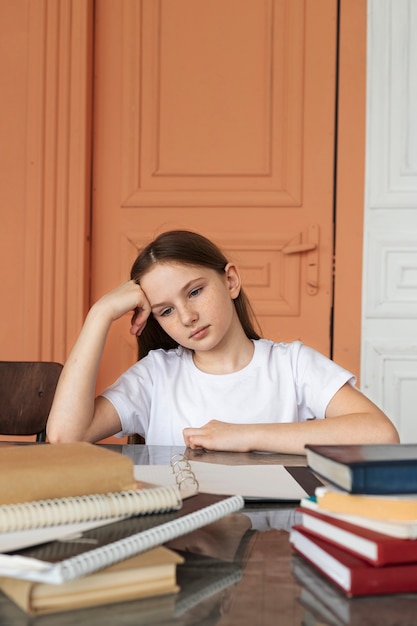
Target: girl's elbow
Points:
x,y
394,436
58,435
52,434
388,433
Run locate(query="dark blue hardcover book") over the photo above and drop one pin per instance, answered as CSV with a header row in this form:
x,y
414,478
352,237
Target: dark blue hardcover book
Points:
x,y
366,469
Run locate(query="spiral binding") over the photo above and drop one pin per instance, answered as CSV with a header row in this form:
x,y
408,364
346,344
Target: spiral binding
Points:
x,y
101,557
184,475
76,509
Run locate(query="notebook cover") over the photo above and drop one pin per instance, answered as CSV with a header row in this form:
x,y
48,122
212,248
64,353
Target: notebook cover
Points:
x,y
39,472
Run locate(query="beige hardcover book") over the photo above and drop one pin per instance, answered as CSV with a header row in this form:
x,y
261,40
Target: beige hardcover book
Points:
x,y
39,472
151,573
390,508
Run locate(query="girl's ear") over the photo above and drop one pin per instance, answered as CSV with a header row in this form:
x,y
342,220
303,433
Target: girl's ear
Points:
x,y
233,279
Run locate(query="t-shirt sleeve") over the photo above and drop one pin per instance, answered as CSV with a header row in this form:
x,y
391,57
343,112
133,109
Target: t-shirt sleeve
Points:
x,y
130,395
318,380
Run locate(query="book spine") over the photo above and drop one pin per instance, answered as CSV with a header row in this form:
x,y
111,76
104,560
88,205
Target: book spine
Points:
x,y
380,480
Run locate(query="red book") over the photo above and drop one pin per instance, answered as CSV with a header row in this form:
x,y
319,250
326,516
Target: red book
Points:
x,y
348,572
372,546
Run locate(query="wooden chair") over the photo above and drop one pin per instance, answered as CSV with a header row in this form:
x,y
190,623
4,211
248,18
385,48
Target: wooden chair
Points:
x,y
135,439
26,393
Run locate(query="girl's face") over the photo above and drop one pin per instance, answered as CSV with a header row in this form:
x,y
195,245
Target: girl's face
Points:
x,y
193,304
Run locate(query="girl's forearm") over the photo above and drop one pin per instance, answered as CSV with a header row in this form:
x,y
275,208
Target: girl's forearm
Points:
x,y
360,428
73,407
290,438
75,415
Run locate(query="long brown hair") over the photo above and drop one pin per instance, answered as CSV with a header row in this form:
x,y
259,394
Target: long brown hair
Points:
x,y
183,246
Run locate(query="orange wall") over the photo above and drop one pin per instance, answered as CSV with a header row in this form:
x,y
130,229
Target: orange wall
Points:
x,y
45,67
14,39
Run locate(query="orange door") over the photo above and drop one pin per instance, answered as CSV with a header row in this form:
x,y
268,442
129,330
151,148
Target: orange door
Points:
x,y
219,117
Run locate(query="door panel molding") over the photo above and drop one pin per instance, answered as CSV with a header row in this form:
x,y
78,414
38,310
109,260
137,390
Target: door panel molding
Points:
x,y
57,205
389,312
270,277
174,153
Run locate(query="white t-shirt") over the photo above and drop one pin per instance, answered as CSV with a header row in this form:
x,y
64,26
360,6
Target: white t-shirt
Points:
x,y
165,392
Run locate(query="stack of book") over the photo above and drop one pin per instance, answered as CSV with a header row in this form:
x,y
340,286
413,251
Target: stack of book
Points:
x,y
78,530
360,530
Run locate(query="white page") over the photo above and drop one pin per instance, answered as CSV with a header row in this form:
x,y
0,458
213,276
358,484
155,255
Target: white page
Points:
x,y
250,481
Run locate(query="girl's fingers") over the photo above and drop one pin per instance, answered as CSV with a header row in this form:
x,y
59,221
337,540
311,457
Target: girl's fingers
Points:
x,y
141,311
137,321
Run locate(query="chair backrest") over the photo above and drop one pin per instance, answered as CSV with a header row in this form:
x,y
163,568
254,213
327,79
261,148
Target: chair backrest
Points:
x,y
135,439
27,389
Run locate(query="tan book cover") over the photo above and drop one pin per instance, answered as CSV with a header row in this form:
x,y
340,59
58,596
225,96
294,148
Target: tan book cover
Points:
x,y
390,508
151,573
39,472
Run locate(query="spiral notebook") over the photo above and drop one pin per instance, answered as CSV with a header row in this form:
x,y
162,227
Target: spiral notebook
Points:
x,y
62,561
71,510
30,523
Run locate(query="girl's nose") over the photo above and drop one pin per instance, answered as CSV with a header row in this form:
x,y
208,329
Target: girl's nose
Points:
x,y
188,315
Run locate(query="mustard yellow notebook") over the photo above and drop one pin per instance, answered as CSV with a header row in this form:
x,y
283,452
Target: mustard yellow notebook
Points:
x,y
41,471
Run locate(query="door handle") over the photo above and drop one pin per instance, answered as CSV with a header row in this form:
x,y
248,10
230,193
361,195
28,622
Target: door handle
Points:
x,y
301,247
311,247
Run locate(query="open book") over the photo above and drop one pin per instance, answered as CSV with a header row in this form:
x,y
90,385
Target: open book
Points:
x,y
264,482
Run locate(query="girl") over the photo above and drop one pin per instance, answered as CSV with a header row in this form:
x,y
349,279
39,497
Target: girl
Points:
x,y
204,376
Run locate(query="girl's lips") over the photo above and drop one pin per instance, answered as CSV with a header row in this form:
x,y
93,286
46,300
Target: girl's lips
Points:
x,y
199,333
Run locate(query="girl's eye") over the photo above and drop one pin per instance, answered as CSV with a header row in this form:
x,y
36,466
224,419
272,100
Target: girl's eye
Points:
x,y
195,292
166,312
